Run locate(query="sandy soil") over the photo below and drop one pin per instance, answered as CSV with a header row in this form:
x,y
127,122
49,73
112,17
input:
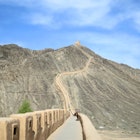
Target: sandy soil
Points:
x,y
118,135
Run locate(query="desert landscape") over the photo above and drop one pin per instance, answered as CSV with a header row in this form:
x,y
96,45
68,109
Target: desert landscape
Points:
x,y
73,77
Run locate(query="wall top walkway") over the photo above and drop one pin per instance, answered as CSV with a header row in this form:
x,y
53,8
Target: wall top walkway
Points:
x,y
70,130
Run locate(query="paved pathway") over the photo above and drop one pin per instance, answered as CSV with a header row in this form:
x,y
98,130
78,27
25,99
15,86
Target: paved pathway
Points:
x,y
70,130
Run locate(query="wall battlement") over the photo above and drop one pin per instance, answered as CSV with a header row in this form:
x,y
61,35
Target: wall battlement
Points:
x,y
36,125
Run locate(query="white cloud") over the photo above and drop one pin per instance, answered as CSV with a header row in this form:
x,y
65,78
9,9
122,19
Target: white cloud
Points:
x,y
75,4
83,13
79,13
37,18
136,18
94,13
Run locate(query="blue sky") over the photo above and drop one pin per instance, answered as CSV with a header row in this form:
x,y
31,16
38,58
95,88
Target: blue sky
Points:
x,y
111,28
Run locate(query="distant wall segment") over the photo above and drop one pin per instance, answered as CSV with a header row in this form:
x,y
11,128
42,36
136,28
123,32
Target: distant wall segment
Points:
x,y
36,125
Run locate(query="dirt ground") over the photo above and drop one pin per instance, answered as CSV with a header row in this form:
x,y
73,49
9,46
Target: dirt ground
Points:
x,y
118,135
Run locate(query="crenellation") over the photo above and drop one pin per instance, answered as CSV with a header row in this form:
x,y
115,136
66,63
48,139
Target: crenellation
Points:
x,y
36,125
26,126
9,129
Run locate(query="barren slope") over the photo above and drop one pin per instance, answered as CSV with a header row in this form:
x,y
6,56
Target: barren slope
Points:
x,y
108,92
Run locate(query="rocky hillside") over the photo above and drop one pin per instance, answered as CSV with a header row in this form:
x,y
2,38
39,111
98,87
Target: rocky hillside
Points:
x,y
108,92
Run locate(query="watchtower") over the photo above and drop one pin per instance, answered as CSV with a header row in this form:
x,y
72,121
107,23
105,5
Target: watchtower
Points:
x,y
77,43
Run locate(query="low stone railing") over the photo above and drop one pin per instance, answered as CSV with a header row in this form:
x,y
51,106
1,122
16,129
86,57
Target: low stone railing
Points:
x,y
36,125
88,130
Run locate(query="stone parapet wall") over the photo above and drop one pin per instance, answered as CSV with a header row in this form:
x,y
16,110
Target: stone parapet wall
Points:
x,y
36,125
89,132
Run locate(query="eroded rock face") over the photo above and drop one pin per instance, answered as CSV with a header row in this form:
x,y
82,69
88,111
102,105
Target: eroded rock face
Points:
x,y
108,92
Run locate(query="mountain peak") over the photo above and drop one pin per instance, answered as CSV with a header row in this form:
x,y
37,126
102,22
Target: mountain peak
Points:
x,y
106,91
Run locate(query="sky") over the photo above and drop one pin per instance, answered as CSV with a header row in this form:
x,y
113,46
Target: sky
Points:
x,y
110,28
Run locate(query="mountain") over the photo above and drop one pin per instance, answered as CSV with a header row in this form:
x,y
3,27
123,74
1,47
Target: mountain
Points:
x,y
108,92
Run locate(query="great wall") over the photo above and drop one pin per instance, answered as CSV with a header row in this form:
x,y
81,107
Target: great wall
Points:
x,y
36,125
39,125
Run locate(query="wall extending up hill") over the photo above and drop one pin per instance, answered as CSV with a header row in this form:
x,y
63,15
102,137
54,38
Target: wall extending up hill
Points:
x,y
106,91
108,94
